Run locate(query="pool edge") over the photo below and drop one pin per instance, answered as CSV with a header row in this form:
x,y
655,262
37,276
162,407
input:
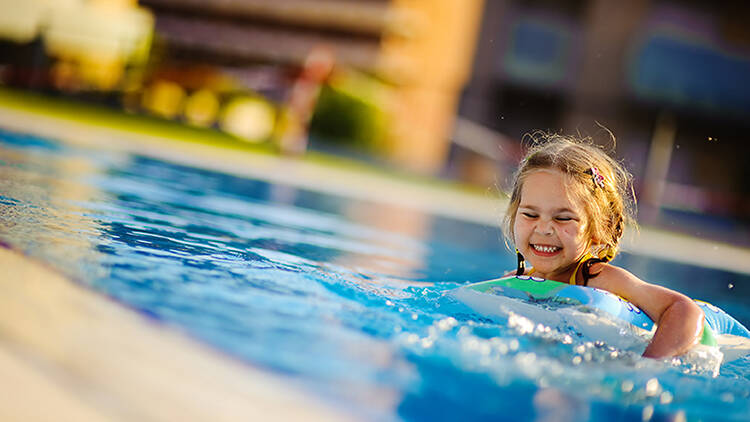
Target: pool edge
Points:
x,y
70,353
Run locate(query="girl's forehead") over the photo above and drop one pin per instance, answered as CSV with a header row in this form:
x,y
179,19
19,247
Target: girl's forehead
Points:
x,y
545,176
548,187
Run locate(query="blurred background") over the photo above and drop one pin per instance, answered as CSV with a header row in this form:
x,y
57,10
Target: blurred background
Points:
x,y
445,88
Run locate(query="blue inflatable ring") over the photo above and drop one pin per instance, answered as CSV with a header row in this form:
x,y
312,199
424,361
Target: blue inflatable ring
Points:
x,y
529,288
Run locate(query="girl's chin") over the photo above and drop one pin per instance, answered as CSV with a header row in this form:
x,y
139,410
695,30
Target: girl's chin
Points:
x,y
545,271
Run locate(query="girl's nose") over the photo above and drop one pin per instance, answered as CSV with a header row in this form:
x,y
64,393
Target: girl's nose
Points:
x,y
544,227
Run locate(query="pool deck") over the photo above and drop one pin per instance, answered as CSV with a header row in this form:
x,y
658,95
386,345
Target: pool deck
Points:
x,y
68,353
88,358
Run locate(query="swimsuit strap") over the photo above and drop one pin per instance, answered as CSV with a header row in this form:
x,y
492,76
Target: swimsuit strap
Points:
x,y
583,259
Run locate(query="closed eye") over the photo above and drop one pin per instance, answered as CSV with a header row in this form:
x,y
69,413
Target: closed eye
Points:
x,y
529,215
563,218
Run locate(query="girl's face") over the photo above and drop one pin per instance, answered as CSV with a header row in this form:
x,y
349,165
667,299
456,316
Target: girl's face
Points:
x,y
549,227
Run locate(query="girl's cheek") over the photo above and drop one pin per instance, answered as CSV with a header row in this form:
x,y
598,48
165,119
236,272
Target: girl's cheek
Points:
x,y
574,232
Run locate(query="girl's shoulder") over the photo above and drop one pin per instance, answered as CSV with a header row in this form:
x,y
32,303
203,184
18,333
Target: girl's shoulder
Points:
x,y
611,277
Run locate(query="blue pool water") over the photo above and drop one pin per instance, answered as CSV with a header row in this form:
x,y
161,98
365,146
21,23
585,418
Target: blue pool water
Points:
x,y
345,296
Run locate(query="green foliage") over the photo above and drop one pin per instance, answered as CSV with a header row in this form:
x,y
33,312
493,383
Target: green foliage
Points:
x,y
349,113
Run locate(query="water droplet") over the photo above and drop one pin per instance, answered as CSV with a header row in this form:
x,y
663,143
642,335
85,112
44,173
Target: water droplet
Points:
x,y
648,412
525,360
446,324
577,360
414,316
389,303
471,344
627,386
730,285
665,397
484,348
514,345
652,387
726,397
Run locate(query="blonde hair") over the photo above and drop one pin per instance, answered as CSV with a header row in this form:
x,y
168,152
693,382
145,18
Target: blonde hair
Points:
x,y
608,200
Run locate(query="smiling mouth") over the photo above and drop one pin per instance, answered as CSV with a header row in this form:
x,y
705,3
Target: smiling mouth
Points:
x,y
546,249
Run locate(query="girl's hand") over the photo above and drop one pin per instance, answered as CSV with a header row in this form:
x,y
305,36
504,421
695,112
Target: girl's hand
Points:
x,y
679,328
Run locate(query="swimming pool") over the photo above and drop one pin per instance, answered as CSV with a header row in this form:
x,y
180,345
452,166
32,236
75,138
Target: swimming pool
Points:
x,y
346,295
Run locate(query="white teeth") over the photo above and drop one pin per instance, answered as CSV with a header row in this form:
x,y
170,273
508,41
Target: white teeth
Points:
x,y
547,249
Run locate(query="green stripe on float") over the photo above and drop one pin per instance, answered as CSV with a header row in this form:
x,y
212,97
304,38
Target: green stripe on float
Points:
x,y
537,289
708,338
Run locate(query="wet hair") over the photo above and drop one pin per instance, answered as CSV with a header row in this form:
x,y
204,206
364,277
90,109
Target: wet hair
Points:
x,y
596,181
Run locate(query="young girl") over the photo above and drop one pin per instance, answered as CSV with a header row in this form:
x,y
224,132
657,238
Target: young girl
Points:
x,y
567,213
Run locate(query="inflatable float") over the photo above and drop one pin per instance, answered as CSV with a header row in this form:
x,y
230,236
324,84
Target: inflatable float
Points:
x,y
494,298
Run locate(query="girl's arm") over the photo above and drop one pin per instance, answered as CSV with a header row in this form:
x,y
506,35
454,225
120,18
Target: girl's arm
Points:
x,y
679,321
